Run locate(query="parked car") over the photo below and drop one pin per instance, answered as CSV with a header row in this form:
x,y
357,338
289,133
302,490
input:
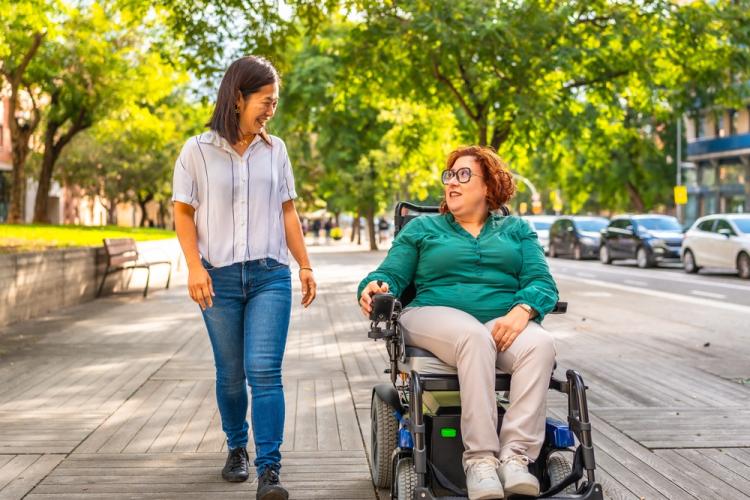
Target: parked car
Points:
x,y
649,239
541,224
721,241
576,236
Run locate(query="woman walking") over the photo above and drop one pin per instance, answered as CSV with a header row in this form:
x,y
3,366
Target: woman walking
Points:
x,y
236,222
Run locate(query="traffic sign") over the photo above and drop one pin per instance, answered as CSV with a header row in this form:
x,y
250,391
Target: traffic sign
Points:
x,y
680,195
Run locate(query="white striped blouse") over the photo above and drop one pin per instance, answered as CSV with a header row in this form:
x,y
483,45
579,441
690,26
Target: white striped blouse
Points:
x,y
237,198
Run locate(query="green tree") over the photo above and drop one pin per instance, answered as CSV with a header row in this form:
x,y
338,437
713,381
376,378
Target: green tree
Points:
x,y
27,24
532,77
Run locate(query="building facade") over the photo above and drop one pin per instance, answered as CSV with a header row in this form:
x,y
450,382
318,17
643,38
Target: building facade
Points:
x,y
718,145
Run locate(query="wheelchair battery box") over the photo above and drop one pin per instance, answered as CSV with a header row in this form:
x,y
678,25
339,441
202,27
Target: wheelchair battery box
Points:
x,y
445,448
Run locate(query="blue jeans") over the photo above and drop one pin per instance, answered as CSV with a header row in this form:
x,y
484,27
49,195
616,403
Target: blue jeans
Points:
x,y
248,327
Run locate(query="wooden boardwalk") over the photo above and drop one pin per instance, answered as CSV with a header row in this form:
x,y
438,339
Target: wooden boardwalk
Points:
x,y
115,399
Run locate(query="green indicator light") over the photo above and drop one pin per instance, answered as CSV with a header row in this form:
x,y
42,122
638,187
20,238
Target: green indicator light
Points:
x,y
448,432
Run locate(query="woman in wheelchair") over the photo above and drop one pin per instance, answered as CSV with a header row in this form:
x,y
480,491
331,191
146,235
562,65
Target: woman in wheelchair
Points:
x,y
483,288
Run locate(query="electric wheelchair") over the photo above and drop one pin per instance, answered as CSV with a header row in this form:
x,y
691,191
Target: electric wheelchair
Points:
x,y
416,444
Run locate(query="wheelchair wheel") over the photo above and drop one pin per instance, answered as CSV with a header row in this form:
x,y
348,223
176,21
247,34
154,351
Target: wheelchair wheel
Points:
x,y
383,440
406,479
558,468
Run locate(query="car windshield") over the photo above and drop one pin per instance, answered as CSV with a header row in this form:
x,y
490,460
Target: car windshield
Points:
x,y
743,225
540,225
592,225
660,224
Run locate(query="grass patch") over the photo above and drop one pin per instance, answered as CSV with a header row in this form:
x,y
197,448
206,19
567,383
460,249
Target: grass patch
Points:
x,y
35,237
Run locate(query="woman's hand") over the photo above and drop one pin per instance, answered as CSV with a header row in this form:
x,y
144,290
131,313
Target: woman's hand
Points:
x,y
365,300
200,287
309,287
509,327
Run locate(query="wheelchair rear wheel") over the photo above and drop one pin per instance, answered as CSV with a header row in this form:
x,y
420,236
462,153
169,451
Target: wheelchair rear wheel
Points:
x,y
383,440
406,479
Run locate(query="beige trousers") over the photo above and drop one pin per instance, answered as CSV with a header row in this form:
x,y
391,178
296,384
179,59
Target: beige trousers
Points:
x,y
460,340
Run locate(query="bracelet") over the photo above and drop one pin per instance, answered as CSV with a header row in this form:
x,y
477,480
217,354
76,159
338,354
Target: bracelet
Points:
x,y
308,268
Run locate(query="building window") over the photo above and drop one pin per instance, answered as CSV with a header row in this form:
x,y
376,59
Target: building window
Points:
x,y
700,131
719,130
732,174
708,175
734,121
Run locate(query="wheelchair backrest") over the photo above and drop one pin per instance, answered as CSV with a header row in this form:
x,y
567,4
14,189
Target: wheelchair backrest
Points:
x,y
405,212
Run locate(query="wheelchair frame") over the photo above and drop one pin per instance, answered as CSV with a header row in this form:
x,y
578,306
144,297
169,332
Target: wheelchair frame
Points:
x,y
408,398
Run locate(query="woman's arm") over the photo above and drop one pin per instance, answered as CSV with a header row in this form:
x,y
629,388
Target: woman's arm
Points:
x,y
399,266
200,287
296,243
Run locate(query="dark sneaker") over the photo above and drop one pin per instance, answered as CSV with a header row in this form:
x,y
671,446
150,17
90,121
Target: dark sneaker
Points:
x,y
236,469
269,487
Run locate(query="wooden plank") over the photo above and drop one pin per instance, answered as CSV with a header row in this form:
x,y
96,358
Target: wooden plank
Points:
x,y
14,467
198,424
173,429
326,424
348,423
111,425
305,437
214,438
290,414
25,481
151,429
721,489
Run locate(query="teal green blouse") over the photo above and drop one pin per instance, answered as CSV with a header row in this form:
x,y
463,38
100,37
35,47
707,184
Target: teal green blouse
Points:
x,y
484,276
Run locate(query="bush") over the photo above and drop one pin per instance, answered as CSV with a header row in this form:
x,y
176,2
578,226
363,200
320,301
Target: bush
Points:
x,y
337,233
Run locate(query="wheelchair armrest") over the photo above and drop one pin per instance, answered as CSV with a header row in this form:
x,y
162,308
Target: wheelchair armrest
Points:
x,y
560,308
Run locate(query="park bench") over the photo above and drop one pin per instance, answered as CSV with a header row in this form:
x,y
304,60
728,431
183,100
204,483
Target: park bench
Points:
x,y
122,254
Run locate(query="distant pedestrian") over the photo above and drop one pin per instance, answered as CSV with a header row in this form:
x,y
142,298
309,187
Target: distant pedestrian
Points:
x,y
316,230
383,227
328,226
236,223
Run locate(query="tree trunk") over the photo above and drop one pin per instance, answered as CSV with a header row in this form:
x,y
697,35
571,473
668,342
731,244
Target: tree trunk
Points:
x,y
52,150
371,227
20,134
635,197
355,229
482,123
142,201
45,180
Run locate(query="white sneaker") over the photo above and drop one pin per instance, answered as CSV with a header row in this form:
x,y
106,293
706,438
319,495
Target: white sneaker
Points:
x,y
481,478
516,478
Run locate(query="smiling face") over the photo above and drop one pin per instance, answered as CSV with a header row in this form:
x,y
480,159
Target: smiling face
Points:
x,y
257,108
468,199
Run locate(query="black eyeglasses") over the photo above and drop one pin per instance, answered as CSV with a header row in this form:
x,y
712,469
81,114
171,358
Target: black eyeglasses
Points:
x,y
463,175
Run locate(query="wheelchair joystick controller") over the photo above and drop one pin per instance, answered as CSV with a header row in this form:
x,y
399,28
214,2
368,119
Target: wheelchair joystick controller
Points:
x,y
384,305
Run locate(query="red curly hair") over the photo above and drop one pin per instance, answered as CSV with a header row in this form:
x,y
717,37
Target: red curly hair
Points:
x,y
499,181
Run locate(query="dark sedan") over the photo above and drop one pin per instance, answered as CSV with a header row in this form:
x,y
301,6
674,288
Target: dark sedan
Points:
x,y
649,239
576,236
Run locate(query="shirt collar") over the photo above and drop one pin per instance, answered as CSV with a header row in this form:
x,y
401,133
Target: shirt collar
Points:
x,y
213,137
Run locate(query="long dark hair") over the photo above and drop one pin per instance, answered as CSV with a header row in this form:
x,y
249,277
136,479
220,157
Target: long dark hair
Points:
x,y
245,75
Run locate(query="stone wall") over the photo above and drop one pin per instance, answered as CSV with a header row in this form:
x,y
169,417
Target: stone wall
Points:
x,y
35,283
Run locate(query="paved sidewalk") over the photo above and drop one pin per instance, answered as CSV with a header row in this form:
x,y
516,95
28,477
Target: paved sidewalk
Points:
x,y
115,399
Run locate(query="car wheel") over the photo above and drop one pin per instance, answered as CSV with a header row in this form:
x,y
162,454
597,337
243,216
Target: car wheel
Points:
x,y
743,266
552,251
604,257
688,262
577,252
643,259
